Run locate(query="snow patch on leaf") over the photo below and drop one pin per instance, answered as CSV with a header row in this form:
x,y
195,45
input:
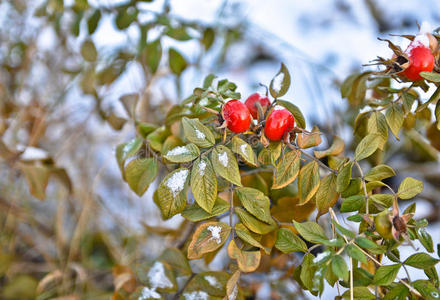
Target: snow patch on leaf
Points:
x,y
320,257
148,293
277,82
178,151
200,135
223,158
158,278
197,295
243,148
215,232
202,167
176,182
212,280
233,294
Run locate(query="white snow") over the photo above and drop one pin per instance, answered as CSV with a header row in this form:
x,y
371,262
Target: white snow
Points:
x,y
279,107
420,39
157,277
233,294
277,82
320,257
197,295
202,167
176,182
215,232
243,148
148,293
200,135
223,158
213,281
178,151
32,153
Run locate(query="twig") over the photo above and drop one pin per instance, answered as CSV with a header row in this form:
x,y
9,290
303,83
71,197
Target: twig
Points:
x,y
231,208
177,295
324,166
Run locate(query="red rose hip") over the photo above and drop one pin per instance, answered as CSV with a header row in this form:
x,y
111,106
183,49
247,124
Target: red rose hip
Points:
x,y
237,116
250,103
420,59
279,121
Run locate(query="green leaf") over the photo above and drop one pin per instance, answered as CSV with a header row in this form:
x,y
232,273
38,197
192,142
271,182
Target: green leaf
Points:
x,y
353,188
157,137
308,270
208,38
336,148
88,50
177,261
399,292
409,188
244,150
367,244
197,133
93,21
326,196
255,202
140,173
379,172
125,17
280,83
343,230
344,177
171,193
126,150
308,182
181,154
367,146
208,237
425,239
355,253
178,33
353,203
269,155
195,213
377,124
385,275
359,293
225,164
300,121
394,117
176,61
385,200
204,183
311,231
288,242
427,289
244,234
287,169
339,267
152,54
430,76
421,261
253,223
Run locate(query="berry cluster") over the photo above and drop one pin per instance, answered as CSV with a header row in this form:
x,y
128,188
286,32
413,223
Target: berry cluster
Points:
x,y
237,116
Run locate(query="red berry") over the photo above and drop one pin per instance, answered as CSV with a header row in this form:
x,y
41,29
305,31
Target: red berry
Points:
x,y
250,103
420,59
279,121
237,116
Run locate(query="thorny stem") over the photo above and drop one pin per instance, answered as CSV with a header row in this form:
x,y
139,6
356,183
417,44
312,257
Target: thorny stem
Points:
x,y
364,184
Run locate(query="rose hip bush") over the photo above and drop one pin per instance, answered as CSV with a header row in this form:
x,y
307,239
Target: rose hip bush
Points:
x,y
267,192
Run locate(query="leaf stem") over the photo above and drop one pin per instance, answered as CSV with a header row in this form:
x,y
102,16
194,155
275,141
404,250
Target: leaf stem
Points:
x,y
364,185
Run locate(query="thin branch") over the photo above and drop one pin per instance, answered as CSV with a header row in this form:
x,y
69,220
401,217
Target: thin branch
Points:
x,y
364,184
324,166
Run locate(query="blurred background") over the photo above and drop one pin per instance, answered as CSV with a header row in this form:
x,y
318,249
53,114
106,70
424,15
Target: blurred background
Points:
x,y
65,64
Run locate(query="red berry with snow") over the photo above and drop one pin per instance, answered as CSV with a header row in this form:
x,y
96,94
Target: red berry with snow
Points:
x,y
254,98
237,116
279,121
420,59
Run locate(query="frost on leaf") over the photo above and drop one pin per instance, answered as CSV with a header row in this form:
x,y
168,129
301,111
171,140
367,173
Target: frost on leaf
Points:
x,y
176,182
223,158
243,148
212,280
199,134
233,294
215,232
148,293
202,167
177,151
157,277
277,82
320,257
197,295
